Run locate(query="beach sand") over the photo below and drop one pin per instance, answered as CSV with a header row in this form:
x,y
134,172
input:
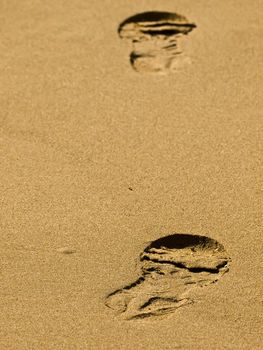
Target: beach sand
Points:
x,y
98,160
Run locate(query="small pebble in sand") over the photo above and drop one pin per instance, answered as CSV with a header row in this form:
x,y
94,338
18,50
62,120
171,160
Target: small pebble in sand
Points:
x,y
66,250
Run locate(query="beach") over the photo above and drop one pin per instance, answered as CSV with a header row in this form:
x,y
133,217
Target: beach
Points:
x,y
98,160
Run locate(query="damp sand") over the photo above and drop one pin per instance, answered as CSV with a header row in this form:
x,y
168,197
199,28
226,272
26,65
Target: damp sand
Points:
x,y
100,161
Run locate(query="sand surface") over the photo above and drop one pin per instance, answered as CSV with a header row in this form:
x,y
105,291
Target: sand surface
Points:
x,y
98,160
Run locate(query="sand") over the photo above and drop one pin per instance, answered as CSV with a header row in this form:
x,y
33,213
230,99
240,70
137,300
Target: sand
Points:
x,y
98,161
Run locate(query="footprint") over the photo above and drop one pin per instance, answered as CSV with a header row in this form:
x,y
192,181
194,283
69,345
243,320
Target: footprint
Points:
x,y
154,38
171,267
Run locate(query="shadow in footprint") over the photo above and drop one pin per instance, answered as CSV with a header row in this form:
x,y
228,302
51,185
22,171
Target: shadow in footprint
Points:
x,y
171,267
154,36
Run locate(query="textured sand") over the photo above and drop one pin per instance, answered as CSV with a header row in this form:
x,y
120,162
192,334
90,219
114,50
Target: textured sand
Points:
x,y
98,160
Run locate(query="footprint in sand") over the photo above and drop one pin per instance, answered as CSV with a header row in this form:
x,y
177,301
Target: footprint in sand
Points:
x,y
171,267
154,36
